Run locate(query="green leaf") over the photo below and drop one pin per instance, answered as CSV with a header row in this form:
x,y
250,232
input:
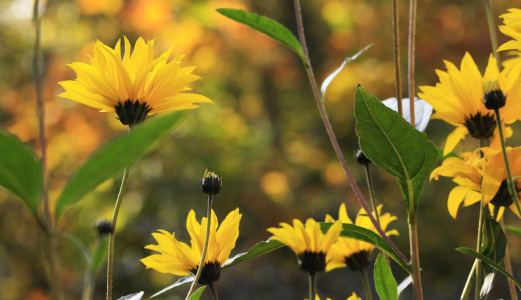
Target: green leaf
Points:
x,y
99,255
80,246
490,263
494,241
178,283
135,296
114,156
20,171
384,281
513,230
394,145
368,236
265,25
197,294
404,284
257,250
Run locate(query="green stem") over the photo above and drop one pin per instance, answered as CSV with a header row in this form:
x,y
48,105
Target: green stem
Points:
x,y
110,263
510,181
412,39
415,258
214,292
470,281
367,288
396,53
371,191
332,136
88,284
205,247
312,285
492,30
479,265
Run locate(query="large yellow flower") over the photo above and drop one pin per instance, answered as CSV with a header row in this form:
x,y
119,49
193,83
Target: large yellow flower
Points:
x,y
132,85
308,242
458,99
180,259
512,28
480,175
354,253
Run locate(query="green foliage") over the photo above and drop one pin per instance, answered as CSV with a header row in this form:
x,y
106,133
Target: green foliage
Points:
x,y
513,230
269,27
257,250
394,145
490,262
493,246
20,171
114,156
368,236
197,294
384,281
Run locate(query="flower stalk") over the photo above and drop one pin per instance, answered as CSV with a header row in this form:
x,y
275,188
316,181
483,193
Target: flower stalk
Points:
x,y
331,134
367,287
312,285
415,258
412,49
492,30
110,263
396,53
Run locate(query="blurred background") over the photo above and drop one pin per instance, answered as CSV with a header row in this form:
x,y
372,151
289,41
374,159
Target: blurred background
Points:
x,y
263,136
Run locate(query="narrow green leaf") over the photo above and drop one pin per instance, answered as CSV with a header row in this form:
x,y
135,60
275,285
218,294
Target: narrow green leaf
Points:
x,y
404,284
513,230
99,255
368,236
197,294
80,246
20,171
488,284
135,296
394,145
257,250
494,242
490,263
178,283
265,25
114,156
384,281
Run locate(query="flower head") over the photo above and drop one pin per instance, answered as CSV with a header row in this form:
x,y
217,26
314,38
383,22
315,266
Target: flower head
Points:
x,y
354,253
480,175
132,85
180,259
308,242
211,183
458,99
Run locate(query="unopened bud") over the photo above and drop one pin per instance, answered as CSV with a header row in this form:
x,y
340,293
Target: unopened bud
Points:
x,y
361,158
494,97
104,227
211,183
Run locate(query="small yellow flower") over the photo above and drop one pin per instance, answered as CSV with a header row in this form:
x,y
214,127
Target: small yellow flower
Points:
x,y
354,253
308,242
480,175
133,85
458,99
352,297
180,259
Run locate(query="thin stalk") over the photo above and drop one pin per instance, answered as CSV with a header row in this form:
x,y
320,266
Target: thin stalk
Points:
x,y
205,247
371,191
312,285
412,40
332,137
470,281
508,266
479,266
492,30
367,287
510,182
88,284
396,53
214,292
50,251
110,263
415,258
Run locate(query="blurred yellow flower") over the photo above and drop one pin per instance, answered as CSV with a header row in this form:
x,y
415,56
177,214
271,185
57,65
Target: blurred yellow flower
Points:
x,y
308,242
480,175
512,28
180,259
352,297
458,99
354,253
133,85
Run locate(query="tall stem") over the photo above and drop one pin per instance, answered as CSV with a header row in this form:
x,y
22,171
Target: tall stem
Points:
x,y
205,247
367,287
492,30
470,280
312,285
479,266
214,292
331,134
371,191
412,40
396,53
110,263
415,258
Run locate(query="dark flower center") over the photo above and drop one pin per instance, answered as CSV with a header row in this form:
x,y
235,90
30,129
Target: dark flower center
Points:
x,y
481,126
357,261
132,112
210,273
312,262
502,197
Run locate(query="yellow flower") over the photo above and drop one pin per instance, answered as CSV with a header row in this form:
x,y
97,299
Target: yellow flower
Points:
x,y
180,259
512,28
480,175
458,99
354,253
352,297
308,242
132,85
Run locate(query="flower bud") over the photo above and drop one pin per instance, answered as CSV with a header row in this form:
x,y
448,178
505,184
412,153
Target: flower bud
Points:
x,y
361,158
103,228
211,183
494,97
